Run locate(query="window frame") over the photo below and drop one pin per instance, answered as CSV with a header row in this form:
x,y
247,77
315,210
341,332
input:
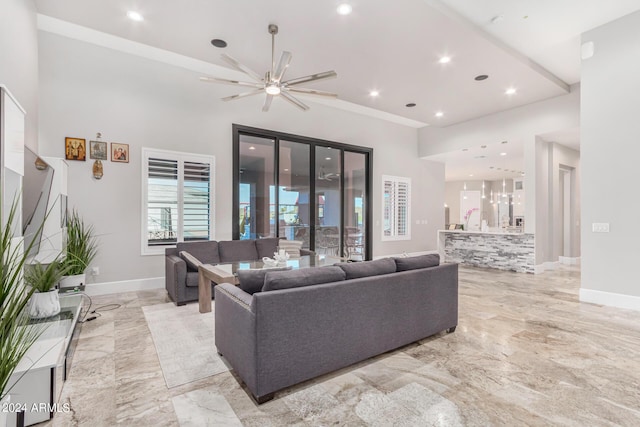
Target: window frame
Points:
x,y
181,158
395,181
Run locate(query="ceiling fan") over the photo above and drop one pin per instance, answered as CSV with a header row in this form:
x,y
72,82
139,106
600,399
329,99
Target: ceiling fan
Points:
x,y
272,83
324,176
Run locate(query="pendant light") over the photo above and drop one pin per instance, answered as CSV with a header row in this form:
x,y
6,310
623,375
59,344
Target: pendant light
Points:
x,y
464,196
483,196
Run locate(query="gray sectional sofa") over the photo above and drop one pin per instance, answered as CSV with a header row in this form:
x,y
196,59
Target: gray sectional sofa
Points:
x,y
181,277
280,328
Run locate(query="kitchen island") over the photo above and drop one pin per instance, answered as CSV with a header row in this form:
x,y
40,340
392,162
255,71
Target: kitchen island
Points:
x,y
491,249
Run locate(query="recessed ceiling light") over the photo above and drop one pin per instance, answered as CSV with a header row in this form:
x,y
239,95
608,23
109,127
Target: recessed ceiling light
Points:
x,y
465,149
219,43
344,9
135,16
510,91
491,167
470,174
286,170
439,114
444,59
374,93
480,157
504,142
481,77
483,146
503,154
252,148
411,105
327,158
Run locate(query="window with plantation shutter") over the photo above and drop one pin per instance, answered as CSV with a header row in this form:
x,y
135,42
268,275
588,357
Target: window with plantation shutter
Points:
x,y
177,199
396,205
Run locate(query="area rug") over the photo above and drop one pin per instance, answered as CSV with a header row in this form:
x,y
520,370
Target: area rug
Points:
x,y
184,340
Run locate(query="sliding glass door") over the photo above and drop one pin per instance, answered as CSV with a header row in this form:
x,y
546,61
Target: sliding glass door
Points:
x,y
304,189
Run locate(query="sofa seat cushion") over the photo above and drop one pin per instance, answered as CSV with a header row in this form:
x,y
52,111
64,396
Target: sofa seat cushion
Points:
x,y
275,280
237,250
292,247
355,270
205,252
415,262
192,279
252,281
266,247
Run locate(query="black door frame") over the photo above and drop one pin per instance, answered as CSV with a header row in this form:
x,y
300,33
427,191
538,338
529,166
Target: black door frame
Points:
x,y
313,143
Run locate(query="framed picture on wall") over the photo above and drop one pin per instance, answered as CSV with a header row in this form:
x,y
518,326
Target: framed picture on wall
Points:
x,y
98,150
75,149
119,152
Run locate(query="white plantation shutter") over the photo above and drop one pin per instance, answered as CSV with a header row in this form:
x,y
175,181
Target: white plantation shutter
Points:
x,y
177,199
396,206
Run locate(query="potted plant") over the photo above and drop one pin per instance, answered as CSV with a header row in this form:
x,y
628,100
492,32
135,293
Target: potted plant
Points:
x,y
15,337
43,279
82,248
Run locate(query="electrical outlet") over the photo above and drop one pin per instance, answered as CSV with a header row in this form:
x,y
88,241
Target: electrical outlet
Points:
x,y
95,271
600,227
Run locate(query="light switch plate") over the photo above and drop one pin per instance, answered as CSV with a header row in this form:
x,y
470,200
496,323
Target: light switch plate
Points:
x,y
600,227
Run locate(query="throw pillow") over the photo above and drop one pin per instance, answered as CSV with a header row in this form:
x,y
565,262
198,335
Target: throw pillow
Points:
x,y
252,281
292,247
192,262
302,277
355,270
415,262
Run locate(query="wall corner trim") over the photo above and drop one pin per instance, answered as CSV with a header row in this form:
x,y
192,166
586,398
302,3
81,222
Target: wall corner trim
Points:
x,y
630,302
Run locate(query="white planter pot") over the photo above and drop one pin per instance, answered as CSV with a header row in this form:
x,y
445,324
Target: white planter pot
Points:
x,y
4,403
69,282
44,304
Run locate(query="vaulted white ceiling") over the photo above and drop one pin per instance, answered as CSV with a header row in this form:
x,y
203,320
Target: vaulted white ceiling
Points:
x,y
392,47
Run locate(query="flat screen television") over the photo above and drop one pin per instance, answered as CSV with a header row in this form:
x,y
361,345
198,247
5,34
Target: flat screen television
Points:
x,y
36,190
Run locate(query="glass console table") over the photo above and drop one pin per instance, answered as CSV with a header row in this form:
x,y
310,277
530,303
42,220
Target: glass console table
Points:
x,y
40,374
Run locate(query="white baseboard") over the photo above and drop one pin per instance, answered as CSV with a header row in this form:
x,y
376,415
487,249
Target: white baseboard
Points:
x,y
93,289
630,302
435,251
569,260
546,266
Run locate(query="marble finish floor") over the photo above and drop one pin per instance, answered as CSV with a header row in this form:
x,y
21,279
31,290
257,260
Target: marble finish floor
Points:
x,y
525,352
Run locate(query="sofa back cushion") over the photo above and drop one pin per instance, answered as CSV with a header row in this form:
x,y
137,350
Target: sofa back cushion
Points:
x,y
275,280
415,262
252,281
354,270
266,247
205,252
237,250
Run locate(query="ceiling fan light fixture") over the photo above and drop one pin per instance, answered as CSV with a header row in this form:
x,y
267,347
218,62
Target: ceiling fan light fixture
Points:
x,y
273,90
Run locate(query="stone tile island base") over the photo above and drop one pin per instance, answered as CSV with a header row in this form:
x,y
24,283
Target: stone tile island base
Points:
x,y
503,251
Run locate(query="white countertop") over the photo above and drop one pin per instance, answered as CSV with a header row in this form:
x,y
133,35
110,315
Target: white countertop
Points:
x,y
509,233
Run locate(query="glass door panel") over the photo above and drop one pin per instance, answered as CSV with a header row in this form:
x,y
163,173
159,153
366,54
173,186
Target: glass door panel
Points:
x,y
328,200
257,199
354,233
294,197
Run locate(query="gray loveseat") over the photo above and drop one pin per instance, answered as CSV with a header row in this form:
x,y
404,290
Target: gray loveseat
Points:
x,y
286,327
181,279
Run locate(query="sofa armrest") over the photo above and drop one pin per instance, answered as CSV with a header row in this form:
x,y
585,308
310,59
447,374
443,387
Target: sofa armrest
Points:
x,y
175,278
235,331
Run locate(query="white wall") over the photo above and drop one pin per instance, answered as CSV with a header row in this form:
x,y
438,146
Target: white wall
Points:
x,y
87,89
19,59
610,150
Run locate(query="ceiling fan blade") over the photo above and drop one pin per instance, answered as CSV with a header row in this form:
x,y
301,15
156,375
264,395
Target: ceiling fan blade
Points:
x,y
295,101
267,103
311,92
283,64
312,78
243,95
230,82
238,66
